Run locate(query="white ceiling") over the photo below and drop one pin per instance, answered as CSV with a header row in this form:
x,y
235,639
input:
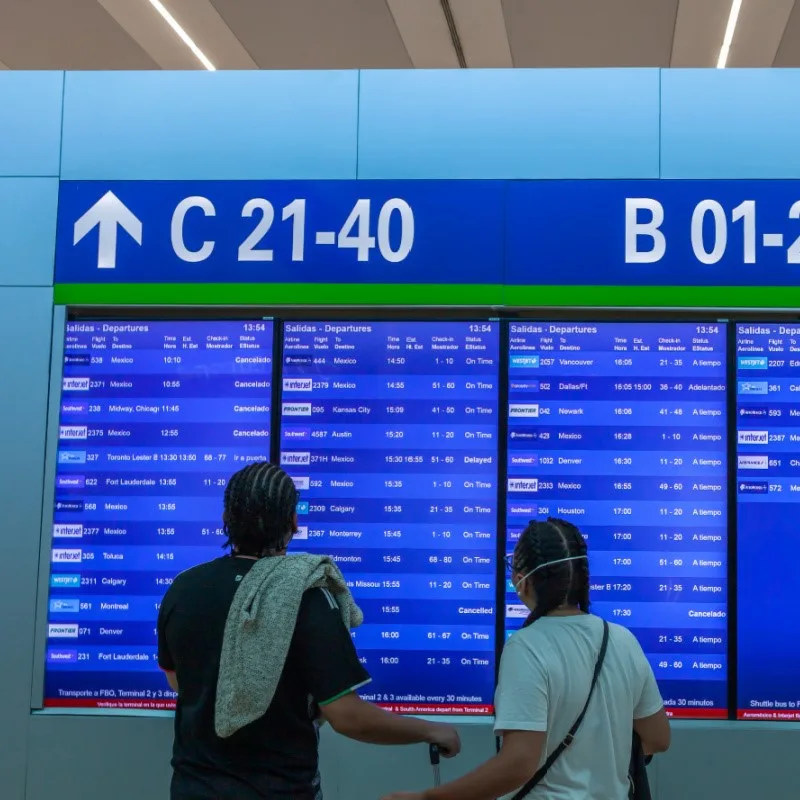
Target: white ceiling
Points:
x,y
347,34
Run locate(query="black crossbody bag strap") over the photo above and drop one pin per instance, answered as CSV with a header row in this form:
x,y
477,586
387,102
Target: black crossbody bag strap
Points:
x,y
553,757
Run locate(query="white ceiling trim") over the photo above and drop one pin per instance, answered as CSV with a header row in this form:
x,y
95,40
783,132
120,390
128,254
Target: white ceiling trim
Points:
x,y
699,31
481,27
424,31
758,36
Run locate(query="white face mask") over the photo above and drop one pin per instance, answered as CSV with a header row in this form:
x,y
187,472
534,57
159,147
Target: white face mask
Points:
x,y
542,566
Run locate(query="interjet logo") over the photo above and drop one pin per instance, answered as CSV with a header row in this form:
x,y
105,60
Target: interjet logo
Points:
x,y
66,556
302,484
752,437
526,410
302,532
75,384
523,484
73,432
64,531
295,459
296,409
297,384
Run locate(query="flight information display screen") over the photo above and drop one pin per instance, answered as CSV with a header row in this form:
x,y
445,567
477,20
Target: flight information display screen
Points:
x,y
768,494
389,430
620,428
154,418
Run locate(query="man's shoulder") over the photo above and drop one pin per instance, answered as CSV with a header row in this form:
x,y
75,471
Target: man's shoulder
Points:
x,y
201,575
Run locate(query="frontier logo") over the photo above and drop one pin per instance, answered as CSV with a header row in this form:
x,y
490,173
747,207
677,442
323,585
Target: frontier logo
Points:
x,y
296,409
525,410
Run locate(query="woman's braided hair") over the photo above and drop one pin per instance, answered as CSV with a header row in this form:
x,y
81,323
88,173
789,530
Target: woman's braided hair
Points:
x,y
566,583
260,504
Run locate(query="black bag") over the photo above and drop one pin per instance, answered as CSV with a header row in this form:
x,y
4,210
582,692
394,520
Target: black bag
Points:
x,y
637,773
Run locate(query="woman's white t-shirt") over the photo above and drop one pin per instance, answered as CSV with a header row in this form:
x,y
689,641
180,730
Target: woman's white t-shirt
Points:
x,y
545,675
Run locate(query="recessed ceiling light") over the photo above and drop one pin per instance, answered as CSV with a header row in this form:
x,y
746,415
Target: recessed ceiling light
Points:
x,y
733,19
184,37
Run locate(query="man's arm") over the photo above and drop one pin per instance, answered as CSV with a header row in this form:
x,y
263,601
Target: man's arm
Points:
x,y
357,719
333,673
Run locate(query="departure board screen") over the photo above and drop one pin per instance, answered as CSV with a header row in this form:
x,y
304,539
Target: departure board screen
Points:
x,y
389,430
620,428
768,494
155,416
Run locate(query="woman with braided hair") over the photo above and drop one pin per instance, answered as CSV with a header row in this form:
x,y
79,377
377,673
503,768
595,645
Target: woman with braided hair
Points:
x,y
256,645
547,683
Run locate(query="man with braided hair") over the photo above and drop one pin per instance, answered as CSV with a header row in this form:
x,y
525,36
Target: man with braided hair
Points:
x,y
547,682
271,753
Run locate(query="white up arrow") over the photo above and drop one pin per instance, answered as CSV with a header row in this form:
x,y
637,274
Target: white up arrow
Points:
x,y
108,213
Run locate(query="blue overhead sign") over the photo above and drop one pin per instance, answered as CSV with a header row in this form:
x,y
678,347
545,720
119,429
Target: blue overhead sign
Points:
x,y
438,241
280,232
658,233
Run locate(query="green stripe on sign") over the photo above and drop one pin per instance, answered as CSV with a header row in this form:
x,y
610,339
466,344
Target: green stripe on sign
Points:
x,y
279,294
654,296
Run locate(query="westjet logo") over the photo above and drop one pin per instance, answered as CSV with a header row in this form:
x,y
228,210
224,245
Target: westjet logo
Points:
x,y
752,437
525,362
65,581
752,362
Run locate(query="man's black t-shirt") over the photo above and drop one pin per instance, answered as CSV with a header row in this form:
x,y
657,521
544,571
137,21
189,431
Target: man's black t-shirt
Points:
x,y
275,756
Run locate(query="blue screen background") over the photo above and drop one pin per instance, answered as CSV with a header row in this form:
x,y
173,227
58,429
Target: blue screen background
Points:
x,y
154,418
620,428
390,430
768,491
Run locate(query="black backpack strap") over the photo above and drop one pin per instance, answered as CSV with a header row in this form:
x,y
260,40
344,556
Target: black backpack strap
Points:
x,y
553,757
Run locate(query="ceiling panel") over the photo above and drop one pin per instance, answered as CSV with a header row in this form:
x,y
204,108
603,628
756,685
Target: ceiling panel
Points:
x,y
316,34
425,34
699,31
788,54
590,33
481,27
65,34
759,33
